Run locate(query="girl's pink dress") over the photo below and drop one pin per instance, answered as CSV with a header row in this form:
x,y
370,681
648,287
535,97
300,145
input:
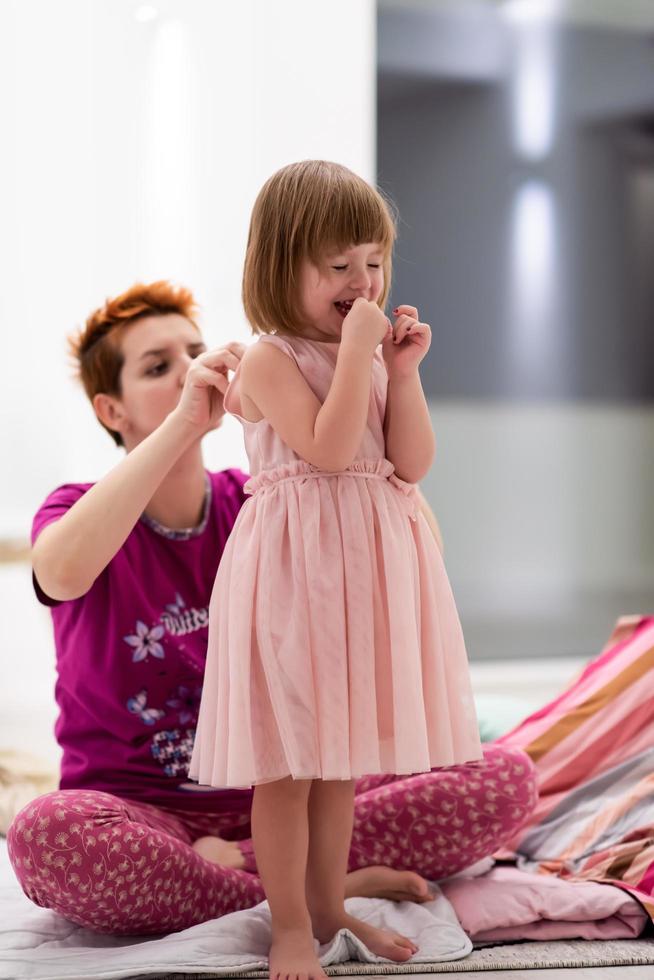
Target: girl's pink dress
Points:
x,y
335,648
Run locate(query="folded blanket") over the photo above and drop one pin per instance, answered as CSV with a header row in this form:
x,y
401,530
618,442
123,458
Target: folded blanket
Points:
x,y
508,904
36,944
593,748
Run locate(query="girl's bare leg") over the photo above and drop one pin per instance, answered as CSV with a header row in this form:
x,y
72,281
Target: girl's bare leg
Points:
x,y
280,833
331,812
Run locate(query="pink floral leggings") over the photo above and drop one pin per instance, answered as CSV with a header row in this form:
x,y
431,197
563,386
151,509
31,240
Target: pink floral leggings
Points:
x,y
128,869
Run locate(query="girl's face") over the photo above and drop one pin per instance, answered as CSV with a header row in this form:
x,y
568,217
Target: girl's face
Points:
x,y
328,290
157,352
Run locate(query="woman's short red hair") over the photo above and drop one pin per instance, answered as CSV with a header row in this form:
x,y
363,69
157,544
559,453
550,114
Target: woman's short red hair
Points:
x,y
95,348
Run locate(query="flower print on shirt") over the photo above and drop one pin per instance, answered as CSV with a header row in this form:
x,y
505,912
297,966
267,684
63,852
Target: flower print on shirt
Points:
x,y
172,750
187,701
138,706
104,744
146,642
177,606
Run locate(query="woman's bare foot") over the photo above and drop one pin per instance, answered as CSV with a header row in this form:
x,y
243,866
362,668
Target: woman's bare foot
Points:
x,y
219,851
293,956
382,942
378,881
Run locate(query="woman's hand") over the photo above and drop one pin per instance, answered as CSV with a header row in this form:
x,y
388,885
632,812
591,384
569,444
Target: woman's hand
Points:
x,y
405,348
201,402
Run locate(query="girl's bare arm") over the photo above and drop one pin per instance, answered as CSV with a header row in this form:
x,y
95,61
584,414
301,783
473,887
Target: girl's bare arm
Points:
x,y
327,435
410,439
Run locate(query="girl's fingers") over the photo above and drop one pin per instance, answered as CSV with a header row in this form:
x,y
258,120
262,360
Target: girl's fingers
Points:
x,y
403,325
409,310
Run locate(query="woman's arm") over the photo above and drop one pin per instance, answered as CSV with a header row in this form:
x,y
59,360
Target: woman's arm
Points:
x,y
71,552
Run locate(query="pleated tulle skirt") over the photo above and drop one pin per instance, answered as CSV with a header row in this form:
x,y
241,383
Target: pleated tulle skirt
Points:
x,y
335,648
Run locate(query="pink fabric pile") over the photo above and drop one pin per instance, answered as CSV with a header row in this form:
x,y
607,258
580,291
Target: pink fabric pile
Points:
x,y
507,903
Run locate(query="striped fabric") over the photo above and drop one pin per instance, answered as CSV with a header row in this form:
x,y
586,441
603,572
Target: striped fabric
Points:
x,y
593,748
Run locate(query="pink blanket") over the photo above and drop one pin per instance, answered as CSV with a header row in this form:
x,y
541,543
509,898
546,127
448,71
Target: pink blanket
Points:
x,y
507,904
593,748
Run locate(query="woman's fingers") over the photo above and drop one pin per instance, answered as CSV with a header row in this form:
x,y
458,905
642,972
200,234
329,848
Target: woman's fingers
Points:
x,y
204,377
220,358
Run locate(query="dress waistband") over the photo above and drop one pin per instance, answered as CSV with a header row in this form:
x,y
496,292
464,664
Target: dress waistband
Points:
x,y
364,469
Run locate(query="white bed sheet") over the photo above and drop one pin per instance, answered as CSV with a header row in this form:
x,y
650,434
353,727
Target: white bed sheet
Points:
x,y
36,944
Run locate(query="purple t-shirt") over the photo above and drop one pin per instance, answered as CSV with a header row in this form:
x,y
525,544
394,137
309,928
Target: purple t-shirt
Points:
x,y
131,655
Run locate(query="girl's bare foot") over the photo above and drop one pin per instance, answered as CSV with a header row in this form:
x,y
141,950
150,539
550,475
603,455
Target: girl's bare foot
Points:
x,y
378,881
293,956
382,942
219,851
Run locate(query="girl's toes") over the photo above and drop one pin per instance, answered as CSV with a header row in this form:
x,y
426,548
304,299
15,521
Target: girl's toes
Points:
x,y
401,949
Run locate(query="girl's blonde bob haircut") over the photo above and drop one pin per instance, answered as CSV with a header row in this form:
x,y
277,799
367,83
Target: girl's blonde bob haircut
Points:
x,y
305,211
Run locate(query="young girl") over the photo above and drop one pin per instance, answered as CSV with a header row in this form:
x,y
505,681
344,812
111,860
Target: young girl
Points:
x,y
335,648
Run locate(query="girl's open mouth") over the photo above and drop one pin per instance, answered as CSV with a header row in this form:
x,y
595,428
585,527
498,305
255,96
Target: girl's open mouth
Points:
x,y
344,306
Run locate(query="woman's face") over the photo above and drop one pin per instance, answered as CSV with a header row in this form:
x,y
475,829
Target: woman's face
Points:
x,y
157,351
328,290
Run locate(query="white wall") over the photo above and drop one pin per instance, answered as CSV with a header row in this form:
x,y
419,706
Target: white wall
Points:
x,y
134,150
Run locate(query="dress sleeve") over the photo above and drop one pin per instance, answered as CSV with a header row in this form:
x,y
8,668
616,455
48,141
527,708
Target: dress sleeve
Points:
x,y
281,343
232,399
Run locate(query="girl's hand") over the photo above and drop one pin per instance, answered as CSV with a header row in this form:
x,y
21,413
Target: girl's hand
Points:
x,y
408,343
365,325
201,402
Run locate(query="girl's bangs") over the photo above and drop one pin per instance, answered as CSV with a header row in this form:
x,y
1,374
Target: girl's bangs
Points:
x,y
348,219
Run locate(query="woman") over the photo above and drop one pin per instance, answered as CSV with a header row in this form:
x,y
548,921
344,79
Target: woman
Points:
x,y
128,845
